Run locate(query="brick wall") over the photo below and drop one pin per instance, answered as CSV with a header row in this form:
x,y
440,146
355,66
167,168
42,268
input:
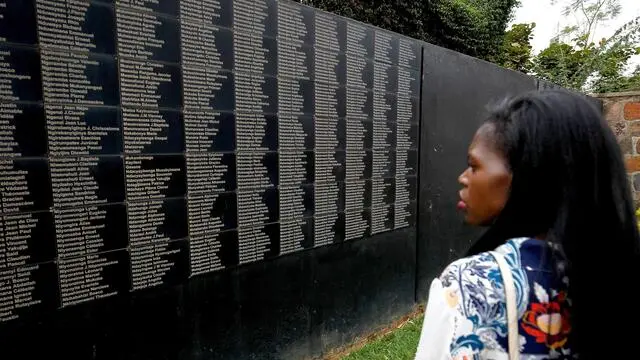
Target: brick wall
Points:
x,y
622,111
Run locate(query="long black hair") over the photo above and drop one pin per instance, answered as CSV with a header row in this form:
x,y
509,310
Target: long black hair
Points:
x,y
570,186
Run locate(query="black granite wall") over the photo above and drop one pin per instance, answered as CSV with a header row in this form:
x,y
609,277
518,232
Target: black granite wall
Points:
x,y
456,91
202,178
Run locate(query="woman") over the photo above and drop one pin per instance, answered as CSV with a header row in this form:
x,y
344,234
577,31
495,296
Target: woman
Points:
x,y
547,176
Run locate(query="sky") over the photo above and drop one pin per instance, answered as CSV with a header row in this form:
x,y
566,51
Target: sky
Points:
x,y
548,19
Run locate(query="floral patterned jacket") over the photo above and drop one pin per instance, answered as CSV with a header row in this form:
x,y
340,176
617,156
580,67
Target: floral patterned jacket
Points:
x,y
465,318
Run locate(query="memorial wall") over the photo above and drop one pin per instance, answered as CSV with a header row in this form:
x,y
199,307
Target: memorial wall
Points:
x,y
143,142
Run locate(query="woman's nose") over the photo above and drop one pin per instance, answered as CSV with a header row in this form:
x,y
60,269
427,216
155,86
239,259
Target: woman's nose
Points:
x,y
462,179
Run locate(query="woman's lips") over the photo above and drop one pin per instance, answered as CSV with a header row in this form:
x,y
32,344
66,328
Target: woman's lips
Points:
x,y
462,205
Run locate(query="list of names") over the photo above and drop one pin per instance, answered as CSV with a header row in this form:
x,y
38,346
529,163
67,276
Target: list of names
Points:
x,y
79,76
251,21
26,228
407,137
295,90
383,135
146,141
209,124
358,95
329,125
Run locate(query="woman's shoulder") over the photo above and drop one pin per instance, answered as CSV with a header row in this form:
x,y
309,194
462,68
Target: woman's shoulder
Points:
x,y
484,263
472,290
472,284
465,268
478,279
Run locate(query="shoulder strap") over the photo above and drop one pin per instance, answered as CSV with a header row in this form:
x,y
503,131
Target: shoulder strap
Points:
x,y
512,307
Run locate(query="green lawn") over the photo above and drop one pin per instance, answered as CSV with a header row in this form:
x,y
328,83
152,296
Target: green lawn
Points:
x,y
398,345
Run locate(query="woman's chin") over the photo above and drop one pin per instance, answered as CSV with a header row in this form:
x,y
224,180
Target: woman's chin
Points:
x,y
471,220
468,219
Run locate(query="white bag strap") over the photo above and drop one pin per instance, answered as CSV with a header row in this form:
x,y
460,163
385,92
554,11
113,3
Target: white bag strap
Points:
x,y
512,307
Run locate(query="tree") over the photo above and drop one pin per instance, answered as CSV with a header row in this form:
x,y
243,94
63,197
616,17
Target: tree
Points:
x,y
516,50
401,16
575,60
473,27
610,75
562,64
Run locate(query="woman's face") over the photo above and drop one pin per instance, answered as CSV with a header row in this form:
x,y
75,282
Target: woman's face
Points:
x,y
485,182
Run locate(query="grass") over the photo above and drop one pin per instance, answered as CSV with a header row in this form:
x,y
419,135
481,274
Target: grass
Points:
x,y
399,344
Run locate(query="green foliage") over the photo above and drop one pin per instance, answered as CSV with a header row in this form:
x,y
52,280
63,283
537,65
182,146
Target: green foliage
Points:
x,y
402,16
610,74
398,345
516,50
592,12
473,27
574,60
562,64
